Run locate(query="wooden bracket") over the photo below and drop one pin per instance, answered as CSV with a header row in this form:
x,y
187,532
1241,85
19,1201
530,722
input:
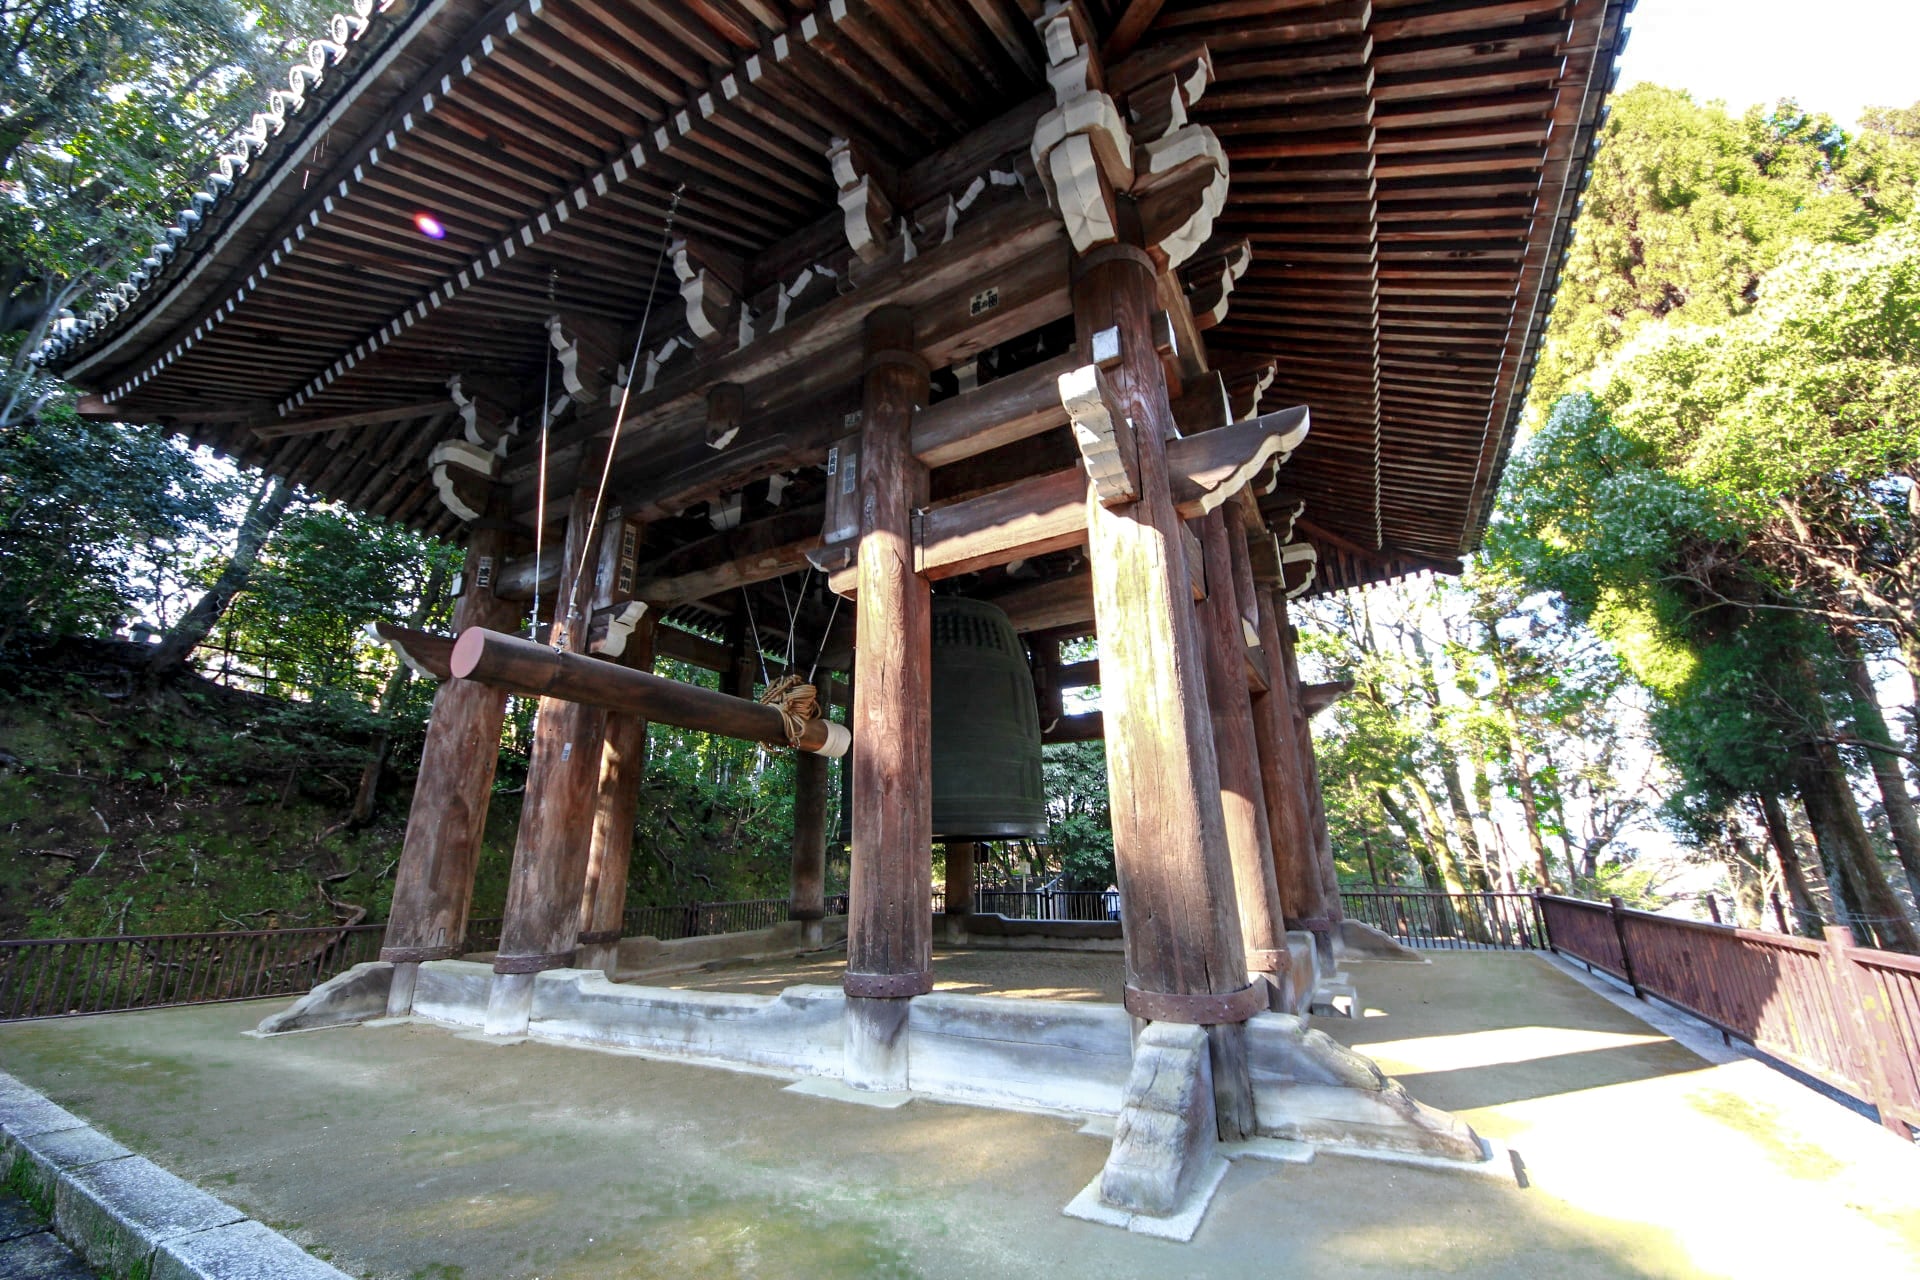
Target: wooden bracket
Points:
x,y
589,356
425,653
463,473
1209,468
1299,562
1246,385
1081,148
867,195
1203,405
609,631
1196,561
482,403
726,410
710,285
1104,436
1210,276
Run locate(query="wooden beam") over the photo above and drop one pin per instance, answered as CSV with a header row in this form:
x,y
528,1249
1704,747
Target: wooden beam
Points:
x,y
1316,698
535,670
341,421
423,651
1004,411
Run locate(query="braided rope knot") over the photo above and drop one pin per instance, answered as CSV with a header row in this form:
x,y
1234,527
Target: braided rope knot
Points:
x,y
797,702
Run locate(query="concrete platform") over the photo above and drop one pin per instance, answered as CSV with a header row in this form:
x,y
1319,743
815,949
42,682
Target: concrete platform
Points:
x,y
401,1151
1039,975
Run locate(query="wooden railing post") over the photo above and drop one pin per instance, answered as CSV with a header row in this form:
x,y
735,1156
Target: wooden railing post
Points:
x,y
1614,908
1545,934
1862,1016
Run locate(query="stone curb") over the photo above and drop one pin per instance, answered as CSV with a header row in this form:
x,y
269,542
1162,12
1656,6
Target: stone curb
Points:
x,y
126,1215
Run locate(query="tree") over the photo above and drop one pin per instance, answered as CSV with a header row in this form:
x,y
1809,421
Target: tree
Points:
x,y
110,112
83,506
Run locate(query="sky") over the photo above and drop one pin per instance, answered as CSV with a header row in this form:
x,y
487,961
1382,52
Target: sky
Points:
x,y
1835,56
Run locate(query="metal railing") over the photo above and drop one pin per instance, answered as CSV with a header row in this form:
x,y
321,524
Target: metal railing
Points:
x,y
1845,1015
1449,921
1044,904
60,977
55,977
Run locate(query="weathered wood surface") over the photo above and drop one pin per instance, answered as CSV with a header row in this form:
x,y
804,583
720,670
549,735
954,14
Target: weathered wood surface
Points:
x,y
433,884
1242,799
423,651
889,938
962,855
1303,887
623,767
806,894
542,915
1182,928
524,667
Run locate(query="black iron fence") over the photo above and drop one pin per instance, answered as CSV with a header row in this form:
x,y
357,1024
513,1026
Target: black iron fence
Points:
x,y
1450,921
54,977
59,977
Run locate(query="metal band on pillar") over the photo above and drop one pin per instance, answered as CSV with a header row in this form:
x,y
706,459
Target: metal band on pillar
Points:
x,y
1199,1010
532,963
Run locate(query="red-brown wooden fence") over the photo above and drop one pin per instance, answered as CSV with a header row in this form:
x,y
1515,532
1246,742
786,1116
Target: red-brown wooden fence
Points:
x,y
1845,1015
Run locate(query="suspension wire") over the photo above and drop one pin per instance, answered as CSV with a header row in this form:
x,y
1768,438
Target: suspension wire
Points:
x,y
540,500
825,635
753,635
626,392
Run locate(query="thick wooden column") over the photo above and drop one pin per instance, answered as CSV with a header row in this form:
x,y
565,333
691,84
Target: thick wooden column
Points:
x,y
623,766
542,920
962,856
1183,945
1306,884
807,898
433,886
1288,818
1242,799
890,925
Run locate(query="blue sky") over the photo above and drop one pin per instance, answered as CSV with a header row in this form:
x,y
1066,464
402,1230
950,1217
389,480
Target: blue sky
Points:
x,y
1835,56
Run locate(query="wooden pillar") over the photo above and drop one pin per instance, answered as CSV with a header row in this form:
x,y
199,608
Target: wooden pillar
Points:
x,y
1242,800
890,925
623,767
433,887
961,857
1288,818
542,921
1183,945
1306,888
807,898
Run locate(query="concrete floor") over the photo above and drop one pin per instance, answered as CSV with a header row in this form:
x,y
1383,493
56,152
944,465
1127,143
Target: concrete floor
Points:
x,y
408,1152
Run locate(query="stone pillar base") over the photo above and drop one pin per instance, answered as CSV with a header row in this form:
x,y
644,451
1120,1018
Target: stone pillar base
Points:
x,y
1164,1139
509,1004
876,1044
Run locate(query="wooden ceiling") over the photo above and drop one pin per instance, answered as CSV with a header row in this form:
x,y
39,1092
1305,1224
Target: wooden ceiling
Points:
x,y
1404,171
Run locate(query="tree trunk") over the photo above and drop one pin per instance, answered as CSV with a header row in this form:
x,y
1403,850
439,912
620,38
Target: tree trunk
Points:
x,y
1474,857
369,789
1842,837
269,504
1872,726
1521,761
1745,870
1424,855
1806,912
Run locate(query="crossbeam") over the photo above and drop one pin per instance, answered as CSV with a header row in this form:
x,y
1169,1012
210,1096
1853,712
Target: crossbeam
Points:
x,y
534,670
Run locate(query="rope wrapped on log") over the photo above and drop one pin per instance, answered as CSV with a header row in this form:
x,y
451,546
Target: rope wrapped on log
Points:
x,y
797,702
521,666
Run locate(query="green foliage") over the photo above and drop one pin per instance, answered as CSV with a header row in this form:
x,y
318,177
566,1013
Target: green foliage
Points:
x,y
84,508
1689,206
1079,822
325,574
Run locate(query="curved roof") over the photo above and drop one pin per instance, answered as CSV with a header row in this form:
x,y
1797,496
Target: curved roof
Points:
x,y
1406,172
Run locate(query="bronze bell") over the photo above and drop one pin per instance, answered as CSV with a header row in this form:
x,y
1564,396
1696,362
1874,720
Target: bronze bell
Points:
x,y
985,729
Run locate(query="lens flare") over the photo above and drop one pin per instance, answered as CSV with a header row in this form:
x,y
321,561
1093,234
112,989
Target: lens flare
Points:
x,y
429,226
